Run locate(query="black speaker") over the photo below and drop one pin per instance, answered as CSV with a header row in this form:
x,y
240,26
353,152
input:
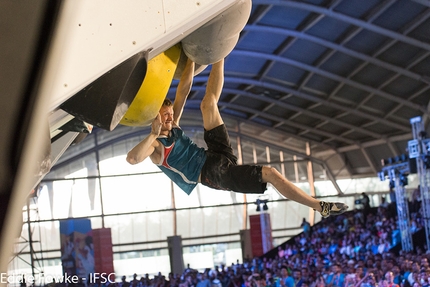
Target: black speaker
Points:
x,y
412,165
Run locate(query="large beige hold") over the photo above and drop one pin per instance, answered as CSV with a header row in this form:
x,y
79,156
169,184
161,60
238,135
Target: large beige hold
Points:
x,y
217,38
181,66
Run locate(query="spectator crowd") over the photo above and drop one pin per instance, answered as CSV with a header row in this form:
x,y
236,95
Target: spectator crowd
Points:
x,y
350,250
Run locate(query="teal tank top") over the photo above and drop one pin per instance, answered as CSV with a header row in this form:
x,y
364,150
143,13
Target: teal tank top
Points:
x,y
181,159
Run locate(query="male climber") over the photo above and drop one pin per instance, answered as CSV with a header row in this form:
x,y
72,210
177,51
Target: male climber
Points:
x,y
187,164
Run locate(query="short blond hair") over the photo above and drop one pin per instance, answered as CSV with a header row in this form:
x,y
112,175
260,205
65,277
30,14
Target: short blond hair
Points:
x,y
167,103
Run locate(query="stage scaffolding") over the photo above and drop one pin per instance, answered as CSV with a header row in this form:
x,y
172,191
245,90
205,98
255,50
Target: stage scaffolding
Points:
x,y
419,148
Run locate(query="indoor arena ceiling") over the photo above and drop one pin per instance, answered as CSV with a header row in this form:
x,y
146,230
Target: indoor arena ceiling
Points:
x,y
345,76
342,78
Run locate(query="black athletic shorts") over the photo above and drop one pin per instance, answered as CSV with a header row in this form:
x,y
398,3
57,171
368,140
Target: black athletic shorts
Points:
x,y
221,171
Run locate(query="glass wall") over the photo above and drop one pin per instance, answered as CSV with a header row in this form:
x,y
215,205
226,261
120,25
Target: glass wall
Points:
x,y
143,208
